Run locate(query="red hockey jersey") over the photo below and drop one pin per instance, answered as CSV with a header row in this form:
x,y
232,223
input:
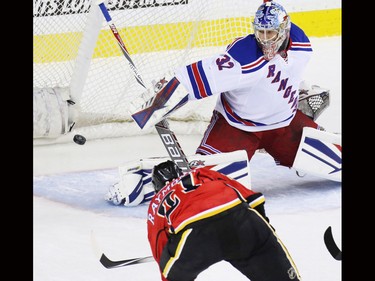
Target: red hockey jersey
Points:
x,y
194,196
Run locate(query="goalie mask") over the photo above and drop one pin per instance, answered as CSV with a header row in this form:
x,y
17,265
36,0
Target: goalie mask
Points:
x,y
271,28
163,173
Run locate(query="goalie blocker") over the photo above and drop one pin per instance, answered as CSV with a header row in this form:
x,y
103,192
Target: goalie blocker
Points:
x,y
158,102
135,185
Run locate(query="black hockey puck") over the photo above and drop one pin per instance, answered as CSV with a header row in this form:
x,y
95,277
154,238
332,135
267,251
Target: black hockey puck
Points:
x,y
79,139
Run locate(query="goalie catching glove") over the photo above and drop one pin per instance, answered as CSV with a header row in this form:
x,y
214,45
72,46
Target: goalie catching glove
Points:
x,y
313,100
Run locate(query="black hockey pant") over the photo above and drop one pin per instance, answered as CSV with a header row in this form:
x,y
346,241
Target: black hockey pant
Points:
x,y
239,236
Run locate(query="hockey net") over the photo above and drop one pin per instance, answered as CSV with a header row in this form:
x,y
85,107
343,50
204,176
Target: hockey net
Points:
x,y
75,49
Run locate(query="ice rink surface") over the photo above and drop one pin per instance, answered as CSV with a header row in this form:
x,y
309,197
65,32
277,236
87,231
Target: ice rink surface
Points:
x,y
70,182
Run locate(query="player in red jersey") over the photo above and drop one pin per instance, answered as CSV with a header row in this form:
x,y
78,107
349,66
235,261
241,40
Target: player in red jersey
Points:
x,y
203,217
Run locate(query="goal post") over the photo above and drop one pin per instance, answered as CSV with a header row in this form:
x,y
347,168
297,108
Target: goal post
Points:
x,y
64,37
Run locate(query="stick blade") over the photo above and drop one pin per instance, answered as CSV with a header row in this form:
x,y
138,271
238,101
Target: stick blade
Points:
x,y
331,245
107,263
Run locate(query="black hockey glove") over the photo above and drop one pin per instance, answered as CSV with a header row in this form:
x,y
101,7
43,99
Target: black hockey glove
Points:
x,y
256,202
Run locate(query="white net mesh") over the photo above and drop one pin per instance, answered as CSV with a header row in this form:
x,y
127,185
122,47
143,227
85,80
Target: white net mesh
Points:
x,y
159,36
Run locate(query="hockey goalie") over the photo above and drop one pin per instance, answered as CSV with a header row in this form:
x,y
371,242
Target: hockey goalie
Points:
x,y
262,101
319,153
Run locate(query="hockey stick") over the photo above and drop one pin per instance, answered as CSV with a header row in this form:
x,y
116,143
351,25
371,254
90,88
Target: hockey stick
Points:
x,y
114,30
331,245
107,263
167,136
172,145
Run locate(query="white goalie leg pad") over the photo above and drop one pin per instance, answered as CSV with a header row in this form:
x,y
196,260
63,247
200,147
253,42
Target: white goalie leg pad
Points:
x,y
234,164
158,102
319,154
135,185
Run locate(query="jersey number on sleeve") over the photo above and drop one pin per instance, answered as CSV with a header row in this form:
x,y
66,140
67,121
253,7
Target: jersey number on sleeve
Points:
x,y
224,62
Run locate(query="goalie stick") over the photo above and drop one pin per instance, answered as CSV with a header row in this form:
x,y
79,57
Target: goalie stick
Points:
x,y
115,32
167,136
331,245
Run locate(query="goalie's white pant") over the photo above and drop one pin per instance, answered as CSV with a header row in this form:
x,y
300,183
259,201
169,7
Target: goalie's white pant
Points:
x,y
135,185
319,153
